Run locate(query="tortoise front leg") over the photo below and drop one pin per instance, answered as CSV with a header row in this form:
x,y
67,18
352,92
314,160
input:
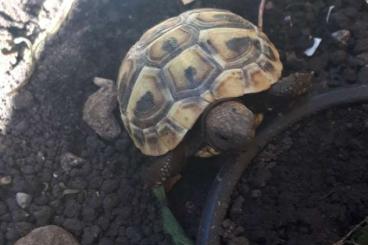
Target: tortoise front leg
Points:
x,y
165,167
294,85
155,176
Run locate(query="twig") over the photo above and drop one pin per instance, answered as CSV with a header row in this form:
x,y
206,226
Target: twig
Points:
x,y
260,14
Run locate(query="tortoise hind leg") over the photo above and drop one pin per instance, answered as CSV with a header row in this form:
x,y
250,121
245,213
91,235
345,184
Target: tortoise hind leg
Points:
x,y
294,85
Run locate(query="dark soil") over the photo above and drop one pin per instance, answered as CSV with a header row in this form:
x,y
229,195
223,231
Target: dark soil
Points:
x,y
101,201
309,185
111,207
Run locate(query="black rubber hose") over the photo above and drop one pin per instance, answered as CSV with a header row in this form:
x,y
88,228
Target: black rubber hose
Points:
x,y
218,198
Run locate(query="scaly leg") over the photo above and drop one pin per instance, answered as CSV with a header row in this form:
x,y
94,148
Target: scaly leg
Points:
x,y
294,85
165,167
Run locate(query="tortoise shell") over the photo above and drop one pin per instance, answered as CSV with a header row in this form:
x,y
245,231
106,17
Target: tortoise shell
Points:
x,y
185,63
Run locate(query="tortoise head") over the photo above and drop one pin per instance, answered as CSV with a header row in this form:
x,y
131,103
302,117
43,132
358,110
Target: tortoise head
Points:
x,y
230,126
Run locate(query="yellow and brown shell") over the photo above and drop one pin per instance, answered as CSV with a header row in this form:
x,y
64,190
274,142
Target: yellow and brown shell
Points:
x,y
185,63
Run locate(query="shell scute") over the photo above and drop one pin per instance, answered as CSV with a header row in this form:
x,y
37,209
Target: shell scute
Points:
x,y
147,99
228,45
189,70
169,43
229,84
185,112
158,30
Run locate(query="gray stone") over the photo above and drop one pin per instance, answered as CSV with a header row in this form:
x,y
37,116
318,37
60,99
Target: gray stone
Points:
x,y
69,160
342,36
5,180
48,235
97,111
23,199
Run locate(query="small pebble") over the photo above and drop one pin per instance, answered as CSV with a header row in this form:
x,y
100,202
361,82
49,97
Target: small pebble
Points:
x,y
185,2
5,180
23,199
69,160
99,107
341,36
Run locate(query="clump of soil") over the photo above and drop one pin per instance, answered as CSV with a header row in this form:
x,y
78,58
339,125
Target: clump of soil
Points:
x,y
309,185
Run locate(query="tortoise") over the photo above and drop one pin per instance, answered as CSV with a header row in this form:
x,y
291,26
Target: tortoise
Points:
x,y
186,75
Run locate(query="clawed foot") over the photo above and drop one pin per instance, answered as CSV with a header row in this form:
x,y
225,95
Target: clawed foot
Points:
x,y
165,169
294,85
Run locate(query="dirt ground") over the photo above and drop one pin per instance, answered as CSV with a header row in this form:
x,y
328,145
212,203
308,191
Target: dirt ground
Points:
x,y
101,201
304,188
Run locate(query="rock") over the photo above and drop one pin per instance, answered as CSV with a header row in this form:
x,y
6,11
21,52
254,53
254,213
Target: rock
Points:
x,y
48,235
97,111
185,2
70,192
5,180
363,75
69,160
23,199
23,100
341,36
